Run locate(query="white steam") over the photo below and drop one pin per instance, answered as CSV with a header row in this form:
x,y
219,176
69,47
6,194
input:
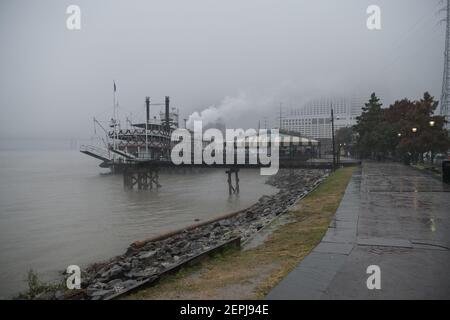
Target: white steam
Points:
x,y
248,108
227,110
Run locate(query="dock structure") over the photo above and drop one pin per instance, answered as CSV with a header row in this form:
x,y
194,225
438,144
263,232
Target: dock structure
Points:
x,y
233,189
143,178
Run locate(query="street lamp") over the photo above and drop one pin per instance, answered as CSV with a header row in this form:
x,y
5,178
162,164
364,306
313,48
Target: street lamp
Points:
x,y
332,138
399,134
432,123
414,130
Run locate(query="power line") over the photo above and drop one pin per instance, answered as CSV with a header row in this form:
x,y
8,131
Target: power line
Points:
x,y
392,57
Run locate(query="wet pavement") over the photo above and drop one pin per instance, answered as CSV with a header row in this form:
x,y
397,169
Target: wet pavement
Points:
x,y
392,216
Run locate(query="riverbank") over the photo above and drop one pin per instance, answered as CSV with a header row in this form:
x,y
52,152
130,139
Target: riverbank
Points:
x,y
251,273
144,260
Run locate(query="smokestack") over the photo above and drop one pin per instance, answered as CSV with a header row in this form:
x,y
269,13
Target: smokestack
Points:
x,y
167,113
147,104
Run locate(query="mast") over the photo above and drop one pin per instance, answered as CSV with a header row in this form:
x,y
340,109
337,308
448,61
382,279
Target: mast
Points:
x,y
114,115
147,119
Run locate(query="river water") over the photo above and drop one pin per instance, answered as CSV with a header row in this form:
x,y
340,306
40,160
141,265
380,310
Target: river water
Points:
x,y
58,208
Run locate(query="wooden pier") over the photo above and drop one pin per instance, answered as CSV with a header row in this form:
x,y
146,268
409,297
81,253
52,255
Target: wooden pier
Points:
x,y
233,189
145,175
144,178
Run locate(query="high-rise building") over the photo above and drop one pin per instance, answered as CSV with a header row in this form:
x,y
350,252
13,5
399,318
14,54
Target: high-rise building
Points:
x,y
313,120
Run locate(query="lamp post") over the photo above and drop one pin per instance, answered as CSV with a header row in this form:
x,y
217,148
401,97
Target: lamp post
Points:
x,y
332,138
431,123
339,154
414,131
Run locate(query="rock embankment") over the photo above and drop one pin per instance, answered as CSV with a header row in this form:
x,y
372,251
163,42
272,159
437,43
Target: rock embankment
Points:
x,y
152,258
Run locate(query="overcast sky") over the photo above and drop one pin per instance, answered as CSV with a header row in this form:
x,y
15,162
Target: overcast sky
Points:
x,y
250,53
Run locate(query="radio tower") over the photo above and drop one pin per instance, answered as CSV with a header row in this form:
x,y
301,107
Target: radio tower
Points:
x,y
445,97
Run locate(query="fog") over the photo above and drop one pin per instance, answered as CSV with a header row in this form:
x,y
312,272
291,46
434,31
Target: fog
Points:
x,y
238,59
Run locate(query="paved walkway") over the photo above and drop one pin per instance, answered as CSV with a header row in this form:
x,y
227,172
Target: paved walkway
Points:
x,y
392,216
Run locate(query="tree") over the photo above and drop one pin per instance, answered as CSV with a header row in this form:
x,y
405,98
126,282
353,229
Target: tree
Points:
x,y
430,138
344,135
344,138
368,140
429,135
398,117
407,129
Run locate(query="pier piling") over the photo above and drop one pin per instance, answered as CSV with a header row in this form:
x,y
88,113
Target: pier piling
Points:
x,y
143,178
233,189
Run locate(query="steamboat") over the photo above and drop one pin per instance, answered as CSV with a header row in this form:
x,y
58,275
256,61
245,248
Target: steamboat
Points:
x,y
142,142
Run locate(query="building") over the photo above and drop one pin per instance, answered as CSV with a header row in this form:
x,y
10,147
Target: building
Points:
x,y
313,120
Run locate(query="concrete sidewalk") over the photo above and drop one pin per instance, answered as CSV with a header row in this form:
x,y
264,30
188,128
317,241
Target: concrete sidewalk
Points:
x,y
392,216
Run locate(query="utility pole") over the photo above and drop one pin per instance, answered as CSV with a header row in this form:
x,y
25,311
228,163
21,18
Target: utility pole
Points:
x,y
332,137
445,97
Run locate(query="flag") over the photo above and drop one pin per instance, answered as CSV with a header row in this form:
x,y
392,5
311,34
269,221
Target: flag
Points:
x,y
114,86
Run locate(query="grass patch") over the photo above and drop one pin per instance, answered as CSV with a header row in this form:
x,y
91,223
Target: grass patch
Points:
x,y
37,287
252,274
